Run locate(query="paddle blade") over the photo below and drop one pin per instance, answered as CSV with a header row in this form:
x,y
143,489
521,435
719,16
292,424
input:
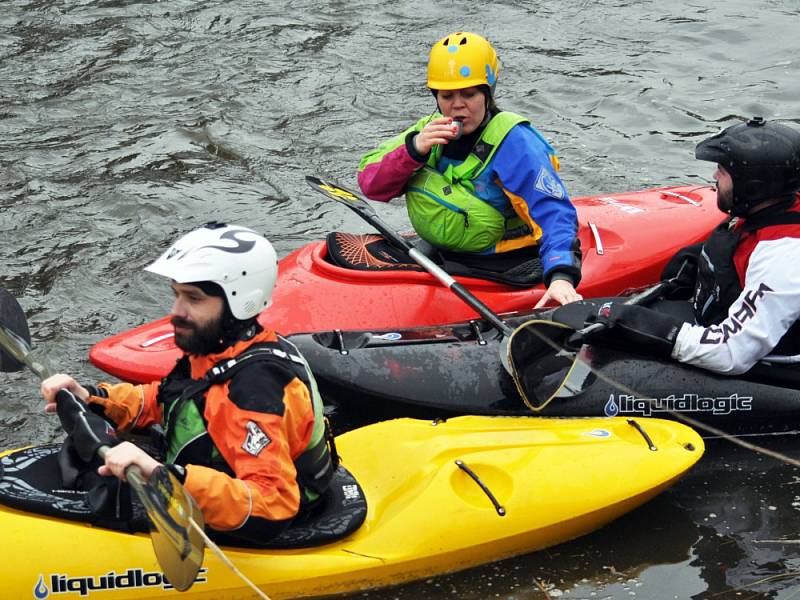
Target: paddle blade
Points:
x,y
342,195
541,366
175,519
14,331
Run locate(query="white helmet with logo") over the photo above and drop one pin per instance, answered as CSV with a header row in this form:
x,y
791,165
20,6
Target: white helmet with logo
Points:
x,y
239,260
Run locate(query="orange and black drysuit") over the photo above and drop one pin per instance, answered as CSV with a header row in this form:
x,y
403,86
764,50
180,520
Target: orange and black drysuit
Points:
x,y
248,427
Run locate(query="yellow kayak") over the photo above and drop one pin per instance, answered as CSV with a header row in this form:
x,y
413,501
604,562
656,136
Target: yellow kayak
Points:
x,y
440,496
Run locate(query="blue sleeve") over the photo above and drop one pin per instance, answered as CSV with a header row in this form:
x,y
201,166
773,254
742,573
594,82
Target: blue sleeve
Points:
x,y
523,166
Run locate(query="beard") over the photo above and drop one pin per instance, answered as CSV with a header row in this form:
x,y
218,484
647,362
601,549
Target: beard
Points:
x,y
725,199
201,339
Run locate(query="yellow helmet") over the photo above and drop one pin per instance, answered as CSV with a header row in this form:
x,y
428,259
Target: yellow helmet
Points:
x,y
462,60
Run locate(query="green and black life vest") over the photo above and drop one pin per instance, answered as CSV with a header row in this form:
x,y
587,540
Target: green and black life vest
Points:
x,y
187,438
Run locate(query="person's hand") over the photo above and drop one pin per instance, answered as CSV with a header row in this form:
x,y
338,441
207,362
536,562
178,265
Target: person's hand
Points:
x,y
54,383
438,131
120,457
561,291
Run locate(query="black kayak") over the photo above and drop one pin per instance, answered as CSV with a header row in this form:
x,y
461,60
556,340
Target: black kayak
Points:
x,y
439,371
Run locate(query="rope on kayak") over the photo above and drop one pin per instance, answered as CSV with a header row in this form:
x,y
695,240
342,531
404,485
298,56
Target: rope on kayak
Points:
x,y
221,555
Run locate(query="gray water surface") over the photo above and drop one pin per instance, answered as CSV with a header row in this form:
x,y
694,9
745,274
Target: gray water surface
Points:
x,y
125,124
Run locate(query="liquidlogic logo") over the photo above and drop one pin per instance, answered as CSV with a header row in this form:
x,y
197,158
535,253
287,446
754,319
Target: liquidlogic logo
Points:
x,y
720,405
57,583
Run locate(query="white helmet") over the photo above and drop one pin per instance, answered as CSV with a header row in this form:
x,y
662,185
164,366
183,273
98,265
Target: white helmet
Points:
x,y
239,260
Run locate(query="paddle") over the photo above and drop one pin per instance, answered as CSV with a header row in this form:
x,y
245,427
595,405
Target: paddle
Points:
x,y
543,367
11,316
176,518
361,206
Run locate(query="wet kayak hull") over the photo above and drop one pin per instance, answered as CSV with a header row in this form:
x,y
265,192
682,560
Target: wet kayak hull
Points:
x,y
455,369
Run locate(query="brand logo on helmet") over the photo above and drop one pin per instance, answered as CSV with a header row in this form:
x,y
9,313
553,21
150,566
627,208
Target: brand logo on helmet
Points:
x,y
241,247
490,75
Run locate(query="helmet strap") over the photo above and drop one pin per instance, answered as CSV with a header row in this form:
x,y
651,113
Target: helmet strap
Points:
x,y
237,330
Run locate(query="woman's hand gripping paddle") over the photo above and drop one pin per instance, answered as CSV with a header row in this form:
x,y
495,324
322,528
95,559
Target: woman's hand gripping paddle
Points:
x,y
362,208
177,522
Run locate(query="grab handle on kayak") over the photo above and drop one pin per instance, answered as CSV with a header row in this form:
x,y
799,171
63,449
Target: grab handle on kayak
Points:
x,y
340,341
497,506
635,424
475,326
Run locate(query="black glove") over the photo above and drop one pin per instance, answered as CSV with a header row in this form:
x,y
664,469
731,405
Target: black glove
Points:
x,y
87,431
641,328
576,314
682,270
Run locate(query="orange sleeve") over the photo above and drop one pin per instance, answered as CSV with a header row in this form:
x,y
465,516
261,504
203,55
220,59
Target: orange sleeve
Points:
x,y
129,405
260,448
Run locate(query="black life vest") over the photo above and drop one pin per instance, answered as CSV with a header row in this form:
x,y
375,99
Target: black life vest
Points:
x,y
717,285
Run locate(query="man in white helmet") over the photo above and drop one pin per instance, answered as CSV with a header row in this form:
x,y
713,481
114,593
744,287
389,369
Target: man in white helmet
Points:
x,y
243,421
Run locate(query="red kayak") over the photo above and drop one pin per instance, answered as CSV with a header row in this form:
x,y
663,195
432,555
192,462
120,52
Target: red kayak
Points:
x,y
626,239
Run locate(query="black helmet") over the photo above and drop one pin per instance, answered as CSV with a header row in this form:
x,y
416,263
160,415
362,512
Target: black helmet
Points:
x,y
762,158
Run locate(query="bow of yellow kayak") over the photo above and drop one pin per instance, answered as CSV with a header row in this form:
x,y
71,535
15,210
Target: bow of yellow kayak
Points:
x,y
441,497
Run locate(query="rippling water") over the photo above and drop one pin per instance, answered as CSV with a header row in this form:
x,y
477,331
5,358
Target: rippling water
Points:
x,y
124,124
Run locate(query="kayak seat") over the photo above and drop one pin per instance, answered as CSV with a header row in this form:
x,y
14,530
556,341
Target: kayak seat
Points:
x,y
341,510
372,252
31,481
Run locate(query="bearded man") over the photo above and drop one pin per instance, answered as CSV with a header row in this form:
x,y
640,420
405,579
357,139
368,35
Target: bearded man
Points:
x,y
244,429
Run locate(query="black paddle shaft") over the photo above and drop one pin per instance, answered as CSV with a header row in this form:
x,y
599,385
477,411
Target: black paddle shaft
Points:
x,y
12,318
359,205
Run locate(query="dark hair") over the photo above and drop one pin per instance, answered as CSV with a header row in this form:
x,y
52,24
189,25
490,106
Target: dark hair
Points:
x,y
491,105
209,288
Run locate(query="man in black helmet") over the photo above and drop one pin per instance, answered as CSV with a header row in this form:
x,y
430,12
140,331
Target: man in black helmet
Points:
x,y
744,282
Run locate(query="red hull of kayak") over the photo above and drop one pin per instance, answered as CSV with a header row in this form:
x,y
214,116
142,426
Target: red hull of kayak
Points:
x,y
626,239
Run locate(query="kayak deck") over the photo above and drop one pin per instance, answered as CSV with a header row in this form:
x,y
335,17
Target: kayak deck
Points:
x,y
546,481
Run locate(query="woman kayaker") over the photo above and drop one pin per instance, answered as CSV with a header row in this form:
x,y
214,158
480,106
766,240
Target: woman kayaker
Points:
x,y
243,421
743,290
479,180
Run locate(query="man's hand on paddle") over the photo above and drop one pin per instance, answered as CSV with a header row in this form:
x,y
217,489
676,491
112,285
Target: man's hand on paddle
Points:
x,y
54,383
560,291
120,457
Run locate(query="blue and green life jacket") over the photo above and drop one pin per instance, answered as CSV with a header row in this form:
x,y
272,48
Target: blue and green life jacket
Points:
x,y
444,208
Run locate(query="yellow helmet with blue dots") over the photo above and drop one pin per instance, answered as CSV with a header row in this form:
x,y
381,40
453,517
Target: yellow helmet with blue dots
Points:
x,y
461,60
